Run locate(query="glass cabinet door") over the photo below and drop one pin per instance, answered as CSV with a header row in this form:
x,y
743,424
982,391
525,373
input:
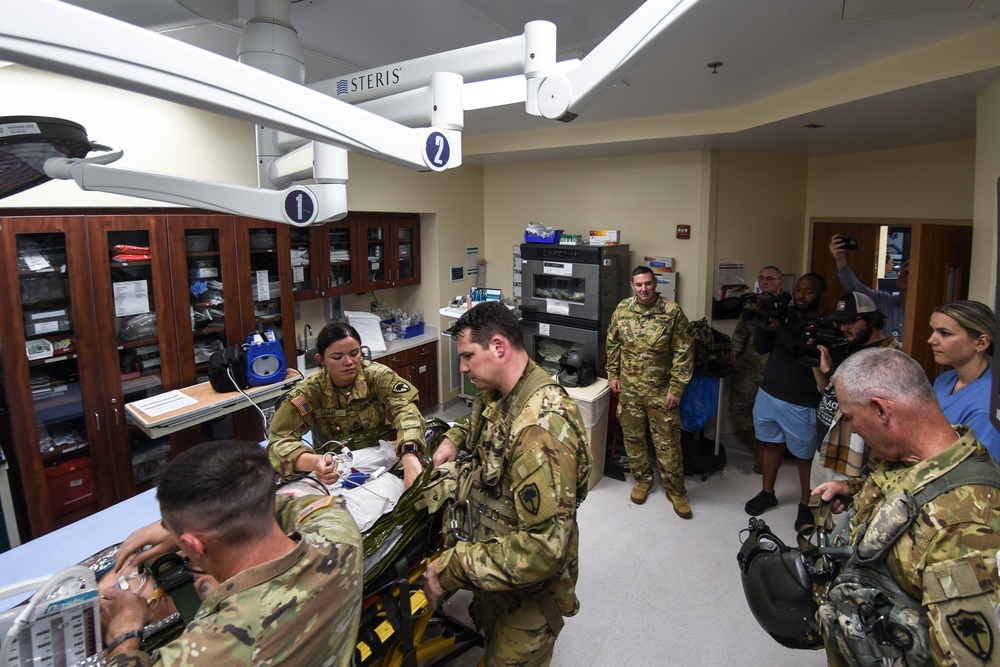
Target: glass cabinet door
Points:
x,y
407,252
340,238
302,242
203,265
375,245
132,299
266,295
53,382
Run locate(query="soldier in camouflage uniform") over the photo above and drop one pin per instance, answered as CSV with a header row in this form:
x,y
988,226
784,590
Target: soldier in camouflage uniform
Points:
x,y
291,568
748,369
346,396
529,473
650,362
940,552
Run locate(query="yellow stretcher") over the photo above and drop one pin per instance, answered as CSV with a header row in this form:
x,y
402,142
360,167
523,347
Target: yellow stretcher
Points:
x,y
390,637
398,627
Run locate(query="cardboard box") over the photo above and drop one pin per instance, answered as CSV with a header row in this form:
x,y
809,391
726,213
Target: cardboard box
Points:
x,y
71,486
605,236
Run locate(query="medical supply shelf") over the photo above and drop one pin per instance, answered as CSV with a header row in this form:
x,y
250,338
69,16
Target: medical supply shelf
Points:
x,y
112,289
361,253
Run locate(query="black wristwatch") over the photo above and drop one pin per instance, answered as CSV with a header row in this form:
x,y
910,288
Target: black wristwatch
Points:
x,y
409,448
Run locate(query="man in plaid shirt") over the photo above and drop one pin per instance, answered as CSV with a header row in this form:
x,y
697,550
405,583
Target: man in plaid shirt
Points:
x,y
843,454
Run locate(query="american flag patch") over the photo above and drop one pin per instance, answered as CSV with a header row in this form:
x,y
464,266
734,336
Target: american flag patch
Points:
x,y
302,404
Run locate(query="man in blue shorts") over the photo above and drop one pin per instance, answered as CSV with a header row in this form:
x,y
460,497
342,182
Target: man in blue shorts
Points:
x,y
784,412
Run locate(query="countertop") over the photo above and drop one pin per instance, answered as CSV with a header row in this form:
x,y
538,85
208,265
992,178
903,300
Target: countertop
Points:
x,y
430,335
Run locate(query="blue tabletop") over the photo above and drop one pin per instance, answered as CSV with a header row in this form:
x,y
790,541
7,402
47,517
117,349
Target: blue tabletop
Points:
x,y
67,546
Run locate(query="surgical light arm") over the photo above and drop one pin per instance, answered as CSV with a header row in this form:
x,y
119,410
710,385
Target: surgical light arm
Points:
x,y
68,40
61,38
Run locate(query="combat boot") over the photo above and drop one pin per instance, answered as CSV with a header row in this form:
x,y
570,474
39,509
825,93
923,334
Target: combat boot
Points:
x,y
680,503
640,491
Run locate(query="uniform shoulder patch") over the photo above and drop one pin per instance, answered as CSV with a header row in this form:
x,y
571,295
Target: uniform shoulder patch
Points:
x,y
530,498
400,387
323,502
302,403
973,630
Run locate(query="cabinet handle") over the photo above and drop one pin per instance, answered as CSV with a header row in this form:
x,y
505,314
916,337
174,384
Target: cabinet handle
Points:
x,y
424,353
97,418
116,417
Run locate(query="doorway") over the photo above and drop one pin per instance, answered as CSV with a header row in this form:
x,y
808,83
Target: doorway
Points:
x,y
939,252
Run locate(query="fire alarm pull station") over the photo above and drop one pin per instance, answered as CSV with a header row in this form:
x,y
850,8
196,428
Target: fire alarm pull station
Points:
x,y
683,231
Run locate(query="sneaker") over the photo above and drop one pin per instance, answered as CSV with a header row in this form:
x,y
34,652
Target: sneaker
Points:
x,y
804,518
681,506
640,491
760,503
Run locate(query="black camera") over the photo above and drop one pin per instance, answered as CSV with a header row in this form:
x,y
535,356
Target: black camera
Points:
x,y
760,309
848,243
824,332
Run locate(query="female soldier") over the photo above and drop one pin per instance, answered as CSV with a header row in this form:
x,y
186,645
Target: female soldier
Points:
x,y
346,396
962,334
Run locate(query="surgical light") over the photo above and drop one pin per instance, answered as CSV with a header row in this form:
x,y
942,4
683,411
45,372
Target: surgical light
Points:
x,y
26,142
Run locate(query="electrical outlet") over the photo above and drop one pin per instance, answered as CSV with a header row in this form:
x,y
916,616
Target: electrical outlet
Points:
x,y
374,306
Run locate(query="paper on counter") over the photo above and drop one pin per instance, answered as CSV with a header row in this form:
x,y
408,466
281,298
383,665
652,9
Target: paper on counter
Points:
x,y
168,401
369,327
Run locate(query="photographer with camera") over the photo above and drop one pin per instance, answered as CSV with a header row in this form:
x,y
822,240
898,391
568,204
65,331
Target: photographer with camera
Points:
x,y
892,306
748,364
784,414
843,454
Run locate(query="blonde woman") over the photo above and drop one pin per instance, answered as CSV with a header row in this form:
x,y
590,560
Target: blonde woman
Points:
x,y
962,334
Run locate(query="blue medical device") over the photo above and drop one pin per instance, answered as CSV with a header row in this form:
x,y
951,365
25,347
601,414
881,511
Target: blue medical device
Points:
x,y
266,362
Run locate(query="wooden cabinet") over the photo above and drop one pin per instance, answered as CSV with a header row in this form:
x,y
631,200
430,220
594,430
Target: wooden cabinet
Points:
x,y
266,295
418,366
54,399
206,288
425,374
390,248
324,260
361,253
137,352
105,309
81,337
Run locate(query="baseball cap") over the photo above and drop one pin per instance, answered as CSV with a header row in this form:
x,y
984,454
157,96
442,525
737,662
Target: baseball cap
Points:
x,y
851,305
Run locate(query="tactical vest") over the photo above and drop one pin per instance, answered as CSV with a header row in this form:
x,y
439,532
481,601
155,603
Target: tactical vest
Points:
x,y
490,502
868,616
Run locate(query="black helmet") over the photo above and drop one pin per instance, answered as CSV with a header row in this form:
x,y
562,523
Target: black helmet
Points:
x,y
778,588
577,368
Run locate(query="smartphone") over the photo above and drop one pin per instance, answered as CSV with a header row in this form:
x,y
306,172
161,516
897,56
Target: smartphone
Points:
x,y
849,243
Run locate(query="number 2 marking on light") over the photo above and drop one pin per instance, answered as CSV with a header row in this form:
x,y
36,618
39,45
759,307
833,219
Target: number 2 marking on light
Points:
x,y
439,142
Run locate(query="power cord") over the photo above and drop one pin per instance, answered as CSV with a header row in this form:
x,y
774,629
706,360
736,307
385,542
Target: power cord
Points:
x,y
264,419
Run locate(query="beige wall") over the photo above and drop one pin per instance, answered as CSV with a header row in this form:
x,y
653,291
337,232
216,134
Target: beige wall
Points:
x,y
931,181
983,280
761,202
645,196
